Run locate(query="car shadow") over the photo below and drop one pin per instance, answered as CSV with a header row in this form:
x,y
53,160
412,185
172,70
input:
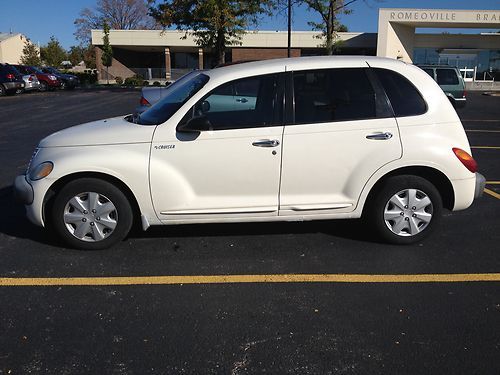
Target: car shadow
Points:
x,y
347,229
15,224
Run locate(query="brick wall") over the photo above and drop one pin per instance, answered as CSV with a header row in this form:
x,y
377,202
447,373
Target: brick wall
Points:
x,y
262,53
117,69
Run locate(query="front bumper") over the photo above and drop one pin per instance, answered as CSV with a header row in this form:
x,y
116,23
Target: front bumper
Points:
x,y
480,185
23,191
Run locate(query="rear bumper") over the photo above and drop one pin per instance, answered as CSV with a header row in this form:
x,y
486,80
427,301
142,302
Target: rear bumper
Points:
x,y
460,102
13,85
480,185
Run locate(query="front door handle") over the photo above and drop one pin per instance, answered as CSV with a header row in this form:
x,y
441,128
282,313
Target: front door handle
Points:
x,y
242,100
379,136
266,143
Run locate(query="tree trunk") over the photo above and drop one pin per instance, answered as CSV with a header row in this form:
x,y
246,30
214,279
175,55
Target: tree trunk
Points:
x,y
221,47
107,74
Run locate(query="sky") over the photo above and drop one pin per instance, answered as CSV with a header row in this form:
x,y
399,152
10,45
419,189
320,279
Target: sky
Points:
x,y
39,19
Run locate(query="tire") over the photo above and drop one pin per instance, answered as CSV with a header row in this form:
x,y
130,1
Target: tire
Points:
x,y
91,214
404,210
64,86
2,90
44,86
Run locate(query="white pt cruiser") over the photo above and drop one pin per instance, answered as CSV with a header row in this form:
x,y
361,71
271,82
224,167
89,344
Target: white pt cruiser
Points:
x,y
281,140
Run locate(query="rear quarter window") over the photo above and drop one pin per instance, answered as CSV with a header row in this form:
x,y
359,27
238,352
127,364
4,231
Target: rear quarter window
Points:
x,y
405,99
447,77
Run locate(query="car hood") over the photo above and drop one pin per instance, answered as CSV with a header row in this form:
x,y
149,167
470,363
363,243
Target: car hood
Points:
x,y
111,131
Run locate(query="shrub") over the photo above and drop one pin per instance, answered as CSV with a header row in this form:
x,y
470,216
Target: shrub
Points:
x,y
86,78
119,80
145,83
156,83
136,80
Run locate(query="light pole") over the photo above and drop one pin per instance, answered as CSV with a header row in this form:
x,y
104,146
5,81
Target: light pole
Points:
x,y
289,28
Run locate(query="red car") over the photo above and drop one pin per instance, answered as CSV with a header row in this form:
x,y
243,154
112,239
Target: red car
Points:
x,y
47,81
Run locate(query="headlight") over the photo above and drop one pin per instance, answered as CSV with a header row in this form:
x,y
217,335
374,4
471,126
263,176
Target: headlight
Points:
x,y
53,78
41,170
35,153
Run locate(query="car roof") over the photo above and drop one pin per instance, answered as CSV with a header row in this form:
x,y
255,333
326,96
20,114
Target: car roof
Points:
x,y
302,63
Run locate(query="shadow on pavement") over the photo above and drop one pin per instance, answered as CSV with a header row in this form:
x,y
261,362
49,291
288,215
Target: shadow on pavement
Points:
x,y
14,222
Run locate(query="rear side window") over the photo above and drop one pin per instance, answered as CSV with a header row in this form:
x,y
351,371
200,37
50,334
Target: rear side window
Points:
x,y
335,95
404,97
447,77
429,72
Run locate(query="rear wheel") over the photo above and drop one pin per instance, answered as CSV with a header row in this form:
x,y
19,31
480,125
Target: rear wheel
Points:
x,y
405,209
43,86
2,90
91,214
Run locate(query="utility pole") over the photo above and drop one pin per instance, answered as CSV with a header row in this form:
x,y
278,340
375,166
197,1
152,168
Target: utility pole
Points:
x,y
289,28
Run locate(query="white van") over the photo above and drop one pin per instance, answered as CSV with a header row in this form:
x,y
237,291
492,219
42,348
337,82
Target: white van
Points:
x,y
297,139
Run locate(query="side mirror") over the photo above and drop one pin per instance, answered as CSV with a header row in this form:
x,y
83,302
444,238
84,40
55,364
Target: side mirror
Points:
x,y
195,125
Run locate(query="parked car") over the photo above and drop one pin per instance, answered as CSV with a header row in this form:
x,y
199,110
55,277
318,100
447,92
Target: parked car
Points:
x,y
10,80
47,81
68,81
31,83
450,80
322,138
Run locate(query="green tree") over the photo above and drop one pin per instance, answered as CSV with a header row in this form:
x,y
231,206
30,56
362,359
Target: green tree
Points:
x,y
53,54
76,54
107,51
329,10
213,23
31,54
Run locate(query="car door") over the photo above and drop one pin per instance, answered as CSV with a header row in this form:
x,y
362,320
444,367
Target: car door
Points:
x,y
229,170
342,132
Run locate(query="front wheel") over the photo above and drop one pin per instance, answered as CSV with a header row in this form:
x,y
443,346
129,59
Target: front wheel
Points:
x,y
405,209
44,86
91,214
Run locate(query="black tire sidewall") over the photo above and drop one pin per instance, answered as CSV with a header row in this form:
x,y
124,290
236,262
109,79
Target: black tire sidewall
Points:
x,y
392,186
115,195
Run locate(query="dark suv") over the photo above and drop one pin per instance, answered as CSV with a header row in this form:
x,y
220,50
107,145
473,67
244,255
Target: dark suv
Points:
x,y
10,80
68,81
450,80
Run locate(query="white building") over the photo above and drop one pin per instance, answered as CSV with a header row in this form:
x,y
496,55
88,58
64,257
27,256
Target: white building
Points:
x,y
167,54
11,47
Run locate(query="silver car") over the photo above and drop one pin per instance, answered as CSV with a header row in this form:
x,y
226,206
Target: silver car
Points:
x,y
31,83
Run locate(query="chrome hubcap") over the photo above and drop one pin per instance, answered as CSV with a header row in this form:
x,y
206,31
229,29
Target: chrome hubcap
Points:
x,y
90,216
408,212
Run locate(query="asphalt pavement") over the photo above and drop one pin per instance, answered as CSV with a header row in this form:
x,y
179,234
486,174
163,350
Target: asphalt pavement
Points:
x,y
216,319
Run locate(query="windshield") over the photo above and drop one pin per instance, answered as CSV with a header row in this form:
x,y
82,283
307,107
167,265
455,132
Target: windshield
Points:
x,y
36,70
176,95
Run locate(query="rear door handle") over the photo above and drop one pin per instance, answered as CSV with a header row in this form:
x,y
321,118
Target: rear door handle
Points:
x,y
379,136
242,100
266,143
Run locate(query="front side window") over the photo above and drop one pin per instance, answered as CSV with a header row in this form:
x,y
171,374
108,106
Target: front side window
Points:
x,y
243,103
447,77
335,95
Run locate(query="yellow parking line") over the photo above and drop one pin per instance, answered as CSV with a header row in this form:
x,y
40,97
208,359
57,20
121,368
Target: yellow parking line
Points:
x,y
471,120
492,193
492,182
487,147
237,279
482,131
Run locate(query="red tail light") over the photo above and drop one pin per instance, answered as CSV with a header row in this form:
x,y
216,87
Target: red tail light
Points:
x,y
144,102
30,78
10,76
467,160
